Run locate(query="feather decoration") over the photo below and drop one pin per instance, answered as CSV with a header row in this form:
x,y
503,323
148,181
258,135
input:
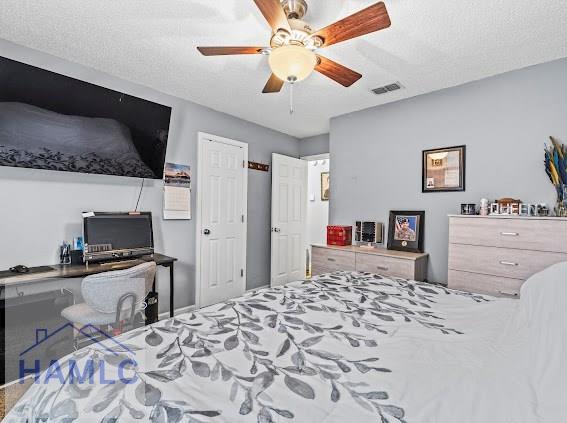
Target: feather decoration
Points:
x,y
554,177
558,168
551,168
546,166
546,161
555,161
561,169
549,175
558,147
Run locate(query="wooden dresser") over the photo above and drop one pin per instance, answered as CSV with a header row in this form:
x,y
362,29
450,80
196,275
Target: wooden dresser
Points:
x,y
496,254
330,258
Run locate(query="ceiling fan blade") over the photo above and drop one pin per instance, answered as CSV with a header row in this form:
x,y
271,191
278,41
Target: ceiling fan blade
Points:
x,y
274,85
223,51
371,19
274,14
337,72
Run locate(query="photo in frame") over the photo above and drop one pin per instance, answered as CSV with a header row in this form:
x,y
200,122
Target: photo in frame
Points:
x,y
325,186
405,230
443,169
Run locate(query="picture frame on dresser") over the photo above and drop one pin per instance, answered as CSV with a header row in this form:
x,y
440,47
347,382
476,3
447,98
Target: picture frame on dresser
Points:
x,y
406,230
444,169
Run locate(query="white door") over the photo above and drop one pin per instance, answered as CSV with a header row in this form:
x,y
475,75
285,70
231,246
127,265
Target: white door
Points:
x,y
289,207
222,219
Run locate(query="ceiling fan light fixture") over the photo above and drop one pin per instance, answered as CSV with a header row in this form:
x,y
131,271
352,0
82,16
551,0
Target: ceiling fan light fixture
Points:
x,y
292,62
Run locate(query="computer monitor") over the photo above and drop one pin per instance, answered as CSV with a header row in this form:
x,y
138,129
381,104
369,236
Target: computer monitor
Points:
x,y
117,236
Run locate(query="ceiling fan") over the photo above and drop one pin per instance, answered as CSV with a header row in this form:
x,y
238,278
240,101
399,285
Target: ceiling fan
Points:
x,y
293,43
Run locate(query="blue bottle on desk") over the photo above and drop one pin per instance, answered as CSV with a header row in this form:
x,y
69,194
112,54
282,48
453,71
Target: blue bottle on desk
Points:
x,y
78,243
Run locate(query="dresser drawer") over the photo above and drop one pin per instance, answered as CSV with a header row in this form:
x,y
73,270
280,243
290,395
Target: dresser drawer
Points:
x,y
389,266
485,284
325,260
526,234
506,262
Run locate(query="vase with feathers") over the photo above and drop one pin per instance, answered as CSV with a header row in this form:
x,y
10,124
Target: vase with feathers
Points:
x,y
556,169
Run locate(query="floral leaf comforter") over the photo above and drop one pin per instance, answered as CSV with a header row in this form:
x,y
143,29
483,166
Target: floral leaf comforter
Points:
x,y
342,347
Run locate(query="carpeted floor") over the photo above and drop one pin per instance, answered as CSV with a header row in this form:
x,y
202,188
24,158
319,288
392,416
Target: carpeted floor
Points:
x,y
10,395
19,332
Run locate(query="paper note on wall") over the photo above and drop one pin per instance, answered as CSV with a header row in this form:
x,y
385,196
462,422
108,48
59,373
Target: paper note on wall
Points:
x,y
176,203
177,192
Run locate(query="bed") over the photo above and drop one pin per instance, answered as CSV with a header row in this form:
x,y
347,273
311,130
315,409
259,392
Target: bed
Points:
x,y
33,137
345,346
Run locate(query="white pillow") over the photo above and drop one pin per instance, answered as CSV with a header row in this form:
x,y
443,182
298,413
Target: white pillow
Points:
x,y
543,309
544,297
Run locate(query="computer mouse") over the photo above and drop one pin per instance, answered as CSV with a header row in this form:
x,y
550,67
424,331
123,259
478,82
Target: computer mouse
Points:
x,y
20,268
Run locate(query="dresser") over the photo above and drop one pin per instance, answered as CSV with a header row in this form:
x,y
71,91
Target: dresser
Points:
x,y
496,254
330,258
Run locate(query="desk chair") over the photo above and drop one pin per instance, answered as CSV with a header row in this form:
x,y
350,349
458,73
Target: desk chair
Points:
x,y
110,295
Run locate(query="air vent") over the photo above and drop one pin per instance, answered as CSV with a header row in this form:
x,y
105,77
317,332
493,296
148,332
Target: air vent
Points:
x,y
387,88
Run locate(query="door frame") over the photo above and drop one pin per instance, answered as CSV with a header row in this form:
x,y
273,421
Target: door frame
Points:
x,y
322,156
311,158
304,229
203,137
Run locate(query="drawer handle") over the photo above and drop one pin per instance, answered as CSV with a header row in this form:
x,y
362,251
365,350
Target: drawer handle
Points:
x,y
508,263
509,233
381,268
330,259
508,294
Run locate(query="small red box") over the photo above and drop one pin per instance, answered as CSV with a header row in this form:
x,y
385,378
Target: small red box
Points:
x,y
339,235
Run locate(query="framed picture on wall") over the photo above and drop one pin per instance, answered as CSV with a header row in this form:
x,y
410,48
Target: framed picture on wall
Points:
x,y
443,169
405,231
325,185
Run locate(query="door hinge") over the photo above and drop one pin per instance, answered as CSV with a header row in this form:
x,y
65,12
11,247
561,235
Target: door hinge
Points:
x,y
244,163
242,218
241,273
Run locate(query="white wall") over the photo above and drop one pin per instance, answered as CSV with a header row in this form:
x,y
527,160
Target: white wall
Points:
x,y
504,122
39,209
317,210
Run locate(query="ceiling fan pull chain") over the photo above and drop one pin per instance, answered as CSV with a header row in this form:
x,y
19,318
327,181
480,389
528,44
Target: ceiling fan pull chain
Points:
x,y
291,98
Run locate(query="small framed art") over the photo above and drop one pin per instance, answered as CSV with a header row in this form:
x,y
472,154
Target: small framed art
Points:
x,y
405,231
325,185
443,169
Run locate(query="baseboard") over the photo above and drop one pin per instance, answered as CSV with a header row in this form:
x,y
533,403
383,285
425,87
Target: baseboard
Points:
x,y
165,314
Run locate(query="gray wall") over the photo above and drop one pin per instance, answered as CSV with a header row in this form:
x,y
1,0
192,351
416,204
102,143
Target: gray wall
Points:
x,y
319,144
504,122
39,209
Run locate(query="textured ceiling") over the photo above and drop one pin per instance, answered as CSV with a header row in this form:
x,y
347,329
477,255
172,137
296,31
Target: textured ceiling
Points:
x,y
431,45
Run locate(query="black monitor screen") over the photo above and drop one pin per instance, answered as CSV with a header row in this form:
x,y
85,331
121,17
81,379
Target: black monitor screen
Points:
x,y
118,231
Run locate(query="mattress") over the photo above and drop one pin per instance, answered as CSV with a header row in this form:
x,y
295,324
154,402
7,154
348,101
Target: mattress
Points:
x,y
341,347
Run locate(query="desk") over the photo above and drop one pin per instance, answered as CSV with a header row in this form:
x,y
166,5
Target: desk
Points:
x,y
60,271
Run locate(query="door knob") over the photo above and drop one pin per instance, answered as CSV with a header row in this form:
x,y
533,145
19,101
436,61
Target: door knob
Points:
x,y
277,229
206,232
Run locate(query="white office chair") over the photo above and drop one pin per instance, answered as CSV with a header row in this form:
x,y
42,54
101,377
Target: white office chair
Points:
x,y
110,295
